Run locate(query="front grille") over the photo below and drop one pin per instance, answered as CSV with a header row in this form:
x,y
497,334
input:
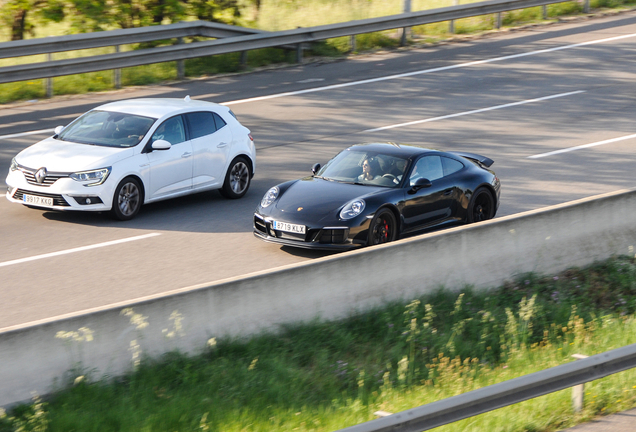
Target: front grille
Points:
x,y
58,200
259,224
49,179
334,235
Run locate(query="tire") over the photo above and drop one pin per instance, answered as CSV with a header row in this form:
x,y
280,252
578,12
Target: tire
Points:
x,y
383,228
481,207
237,179
127,200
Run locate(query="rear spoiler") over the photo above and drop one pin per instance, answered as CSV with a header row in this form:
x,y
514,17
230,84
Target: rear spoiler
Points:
x,y
481,159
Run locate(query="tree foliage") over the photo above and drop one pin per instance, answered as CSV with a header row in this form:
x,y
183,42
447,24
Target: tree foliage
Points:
x,y
22,16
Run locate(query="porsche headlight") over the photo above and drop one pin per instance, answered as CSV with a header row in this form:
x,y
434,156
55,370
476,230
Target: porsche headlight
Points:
x,y
270,196
14,165
91,178
352,209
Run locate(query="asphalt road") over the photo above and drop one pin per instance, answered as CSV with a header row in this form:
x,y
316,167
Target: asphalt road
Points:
x,y
514,96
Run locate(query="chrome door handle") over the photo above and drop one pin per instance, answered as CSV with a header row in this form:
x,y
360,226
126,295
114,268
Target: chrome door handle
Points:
x,y
221,145
186,154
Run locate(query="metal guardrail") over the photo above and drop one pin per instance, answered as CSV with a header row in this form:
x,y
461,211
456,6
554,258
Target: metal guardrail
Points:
x,y
81,41
503,394
232,43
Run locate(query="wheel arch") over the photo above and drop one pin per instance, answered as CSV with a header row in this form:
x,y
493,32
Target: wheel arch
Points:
x,y
396,213
493,194
248,158
142,185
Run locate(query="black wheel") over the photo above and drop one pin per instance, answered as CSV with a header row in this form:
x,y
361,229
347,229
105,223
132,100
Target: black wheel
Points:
x,y
237,179
383,228
127,199
482,206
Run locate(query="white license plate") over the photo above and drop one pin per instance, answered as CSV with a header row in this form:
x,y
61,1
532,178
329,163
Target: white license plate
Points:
x,y
284,226
37,200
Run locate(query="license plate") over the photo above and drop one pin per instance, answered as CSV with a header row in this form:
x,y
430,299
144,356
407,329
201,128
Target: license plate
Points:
x,y
284,226
37,200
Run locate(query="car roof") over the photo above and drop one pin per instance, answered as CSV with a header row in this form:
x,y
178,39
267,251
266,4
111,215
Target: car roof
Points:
x,y
158,107
406,151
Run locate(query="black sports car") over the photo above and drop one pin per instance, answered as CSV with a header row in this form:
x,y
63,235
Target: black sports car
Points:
x,y
375,193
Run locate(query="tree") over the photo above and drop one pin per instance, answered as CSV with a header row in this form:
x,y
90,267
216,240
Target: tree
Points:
x,y
224,11
14,14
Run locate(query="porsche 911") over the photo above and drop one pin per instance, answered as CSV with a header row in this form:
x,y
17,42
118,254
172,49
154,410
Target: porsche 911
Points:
x,y
375,193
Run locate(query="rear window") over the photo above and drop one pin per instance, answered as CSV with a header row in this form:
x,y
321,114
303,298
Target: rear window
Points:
x,y
201,124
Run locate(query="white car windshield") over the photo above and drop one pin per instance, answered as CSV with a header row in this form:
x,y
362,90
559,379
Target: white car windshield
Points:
x,y
109,129
367,168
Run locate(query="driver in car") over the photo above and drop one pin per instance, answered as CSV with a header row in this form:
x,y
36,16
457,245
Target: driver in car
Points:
x,y
370,170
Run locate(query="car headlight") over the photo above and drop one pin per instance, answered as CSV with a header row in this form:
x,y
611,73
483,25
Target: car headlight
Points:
x,y
352,209
91,178
270,196
14,165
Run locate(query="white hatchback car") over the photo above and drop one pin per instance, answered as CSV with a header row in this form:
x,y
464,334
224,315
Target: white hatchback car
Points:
x,y
121,155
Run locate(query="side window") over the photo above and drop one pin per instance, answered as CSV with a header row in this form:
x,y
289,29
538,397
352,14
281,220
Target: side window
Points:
x,y
219,121
201,124
451,166
429,167
172,130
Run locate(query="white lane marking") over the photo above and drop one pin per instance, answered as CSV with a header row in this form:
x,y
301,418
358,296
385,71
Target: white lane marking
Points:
x,y
309,80
496,107
79,249
426,71
390,77
18,135
569,149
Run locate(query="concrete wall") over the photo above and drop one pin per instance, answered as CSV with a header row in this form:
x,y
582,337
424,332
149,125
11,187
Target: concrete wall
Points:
x,y
482,255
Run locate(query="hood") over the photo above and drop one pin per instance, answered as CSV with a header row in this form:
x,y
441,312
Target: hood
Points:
x,y
321,197
64,156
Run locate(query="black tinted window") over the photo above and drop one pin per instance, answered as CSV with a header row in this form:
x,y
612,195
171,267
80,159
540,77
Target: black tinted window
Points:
x,y
201,124
451,166
219,121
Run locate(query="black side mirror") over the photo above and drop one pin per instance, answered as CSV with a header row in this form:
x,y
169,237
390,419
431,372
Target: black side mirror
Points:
x,y
420,183
315,168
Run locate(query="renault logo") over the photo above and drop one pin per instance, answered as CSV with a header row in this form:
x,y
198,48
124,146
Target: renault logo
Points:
x,y
40,175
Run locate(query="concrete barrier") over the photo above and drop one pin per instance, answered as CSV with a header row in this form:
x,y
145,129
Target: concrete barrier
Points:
x,y
34,359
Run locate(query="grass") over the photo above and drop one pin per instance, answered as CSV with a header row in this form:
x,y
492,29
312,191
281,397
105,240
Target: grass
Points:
x,y
323,376
280,15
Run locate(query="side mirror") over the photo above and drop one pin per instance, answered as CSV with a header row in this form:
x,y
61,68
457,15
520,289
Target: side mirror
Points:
x,y
420,183
58,130
161,145
315,168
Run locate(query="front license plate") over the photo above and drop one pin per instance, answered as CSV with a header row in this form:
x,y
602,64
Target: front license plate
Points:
x,y
284,226
37,200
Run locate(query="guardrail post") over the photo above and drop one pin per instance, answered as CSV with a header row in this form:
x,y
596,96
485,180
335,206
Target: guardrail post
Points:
x,y
243,60
451,23
48,83
545,12
578,391
353,43
299,53
180,63
586,6
405,30
117,73
498,20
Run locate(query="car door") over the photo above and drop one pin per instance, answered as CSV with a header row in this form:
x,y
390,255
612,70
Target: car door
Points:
x,y
170,171
429,205
211,140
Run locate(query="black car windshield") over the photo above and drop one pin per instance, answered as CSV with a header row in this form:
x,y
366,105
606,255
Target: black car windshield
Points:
x,y
109,129
363,167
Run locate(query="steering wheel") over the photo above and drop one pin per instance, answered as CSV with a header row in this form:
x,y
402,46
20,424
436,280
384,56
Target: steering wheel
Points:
x,y
390,176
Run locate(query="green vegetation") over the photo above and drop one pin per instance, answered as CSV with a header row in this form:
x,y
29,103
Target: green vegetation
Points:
x,y
61,17
323,376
